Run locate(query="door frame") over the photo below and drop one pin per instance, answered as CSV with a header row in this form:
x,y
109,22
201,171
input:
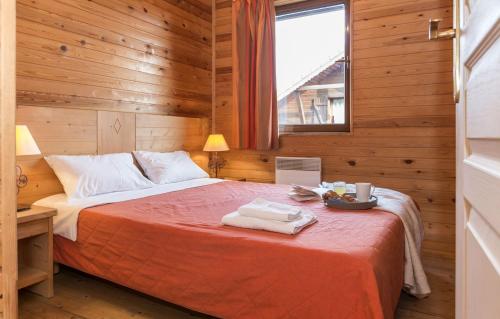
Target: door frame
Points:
x,y
8,190
459,156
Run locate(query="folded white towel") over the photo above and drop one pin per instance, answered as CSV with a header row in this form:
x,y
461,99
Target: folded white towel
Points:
x,y
264,209
291,227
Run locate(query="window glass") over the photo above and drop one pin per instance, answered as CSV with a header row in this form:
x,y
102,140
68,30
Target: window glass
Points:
x,y
311,68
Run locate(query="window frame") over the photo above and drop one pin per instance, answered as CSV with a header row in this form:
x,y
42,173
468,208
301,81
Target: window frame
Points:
x,y
324,128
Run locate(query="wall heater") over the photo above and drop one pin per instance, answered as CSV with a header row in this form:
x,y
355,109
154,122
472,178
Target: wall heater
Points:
x,y
298,170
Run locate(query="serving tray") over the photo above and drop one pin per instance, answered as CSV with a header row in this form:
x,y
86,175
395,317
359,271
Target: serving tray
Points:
x,y
341,204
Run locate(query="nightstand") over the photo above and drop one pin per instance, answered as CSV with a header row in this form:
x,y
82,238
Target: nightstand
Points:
x,y
239,179
36,264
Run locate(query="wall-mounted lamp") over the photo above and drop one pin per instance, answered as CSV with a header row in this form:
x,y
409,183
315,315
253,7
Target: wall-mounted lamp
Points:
x,y
25,145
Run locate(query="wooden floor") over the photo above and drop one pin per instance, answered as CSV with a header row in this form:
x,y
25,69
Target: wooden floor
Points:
x,y
79,296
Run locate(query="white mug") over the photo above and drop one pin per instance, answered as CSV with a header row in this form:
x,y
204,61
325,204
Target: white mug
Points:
x,y
364,191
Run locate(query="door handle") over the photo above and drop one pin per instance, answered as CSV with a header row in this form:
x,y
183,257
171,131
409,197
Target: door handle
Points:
x,y
435,34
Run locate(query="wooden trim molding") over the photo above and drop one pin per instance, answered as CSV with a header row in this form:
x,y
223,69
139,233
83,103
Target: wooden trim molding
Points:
x,y
214,82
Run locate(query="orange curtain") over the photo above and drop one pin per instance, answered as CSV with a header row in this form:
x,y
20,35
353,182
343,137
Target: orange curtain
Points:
x,y
255,114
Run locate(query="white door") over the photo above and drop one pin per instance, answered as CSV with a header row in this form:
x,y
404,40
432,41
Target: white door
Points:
x,y
478,162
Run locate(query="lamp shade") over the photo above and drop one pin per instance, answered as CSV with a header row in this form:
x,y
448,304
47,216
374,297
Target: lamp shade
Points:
x,y
25,143
216,143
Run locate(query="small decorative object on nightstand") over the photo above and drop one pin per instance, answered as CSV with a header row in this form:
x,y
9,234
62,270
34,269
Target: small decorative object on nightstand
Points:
x,y
25,145
216,143
36,265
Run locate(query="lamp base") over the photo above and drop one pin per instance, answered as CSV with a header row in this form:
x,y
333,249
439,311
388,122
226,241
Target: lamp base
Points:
x,y
23,207
216,163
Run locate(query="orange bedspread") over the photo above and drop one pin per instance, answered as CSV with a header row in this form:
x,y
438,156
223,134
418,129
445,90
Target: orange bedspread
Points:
x,y
172,246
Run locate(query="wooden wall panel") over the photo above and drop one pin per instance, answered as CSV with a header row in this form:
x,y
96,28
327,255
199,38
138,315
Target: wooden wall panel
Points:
x,y
170,133
147,56
116,132
56,131
61,131
77,132
403,122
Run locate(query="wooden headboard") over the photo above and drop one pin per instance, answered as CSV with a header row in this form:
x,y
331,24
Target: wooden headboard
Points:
x,y
77,131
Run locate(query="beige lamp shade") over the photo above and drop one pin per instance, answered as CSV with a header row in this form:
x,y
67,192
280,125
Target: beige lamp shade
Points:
x,y
25,143
216,143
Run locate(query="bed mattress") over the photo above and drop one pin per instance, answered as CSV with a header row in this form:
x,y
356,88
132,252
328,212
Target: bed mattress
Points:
x,y
173,247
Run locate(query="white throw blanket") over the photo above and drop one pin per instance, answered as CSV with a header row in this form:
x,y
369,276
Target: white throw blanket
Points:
x,y
264,209
291,227
415,280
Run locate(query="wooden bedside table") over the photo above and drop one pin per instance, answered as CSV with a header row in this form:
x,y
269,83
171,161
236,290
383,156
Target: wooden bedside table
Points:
x,y
36,264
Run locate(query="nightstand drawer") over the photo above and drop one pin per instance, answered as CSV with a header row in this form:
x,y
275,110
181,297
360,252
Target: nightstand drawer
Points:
x,y
32,228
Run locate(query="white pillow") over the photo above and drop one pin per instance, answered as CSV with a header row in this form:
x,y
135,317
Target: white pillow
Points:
x,y
88,175
163,168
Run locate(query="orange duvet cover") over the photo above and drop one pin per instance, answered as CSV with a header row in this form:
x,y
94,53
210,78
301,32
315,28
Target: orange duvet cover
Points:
x,y
173,247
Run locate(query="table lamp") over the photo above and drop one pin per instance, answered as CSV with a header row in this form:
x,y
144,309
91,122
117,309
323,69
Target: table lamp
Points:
x,y
25,145
216,143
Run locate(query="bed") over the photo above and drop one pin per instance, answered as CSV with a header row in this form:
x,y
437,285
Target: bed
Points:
x,y
171,245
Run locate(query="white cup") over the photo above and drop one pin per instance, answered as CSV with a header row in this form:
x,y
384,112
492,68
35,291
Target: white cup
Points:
x,y
364,191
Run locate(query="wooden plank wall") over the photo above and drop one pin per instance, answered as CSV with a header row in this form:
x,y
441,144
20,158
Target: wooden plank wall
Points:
x,y
403,133
148,56
80,62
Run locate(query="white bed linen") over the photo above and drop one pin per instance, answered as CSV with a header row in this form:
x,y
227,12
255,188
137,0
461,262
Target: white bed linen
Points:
x,y
66,221
81,175
170,167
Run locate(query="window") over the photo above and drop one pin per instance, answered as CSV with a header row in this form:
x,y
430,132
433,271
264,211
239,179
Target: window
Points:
x,y
312,66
